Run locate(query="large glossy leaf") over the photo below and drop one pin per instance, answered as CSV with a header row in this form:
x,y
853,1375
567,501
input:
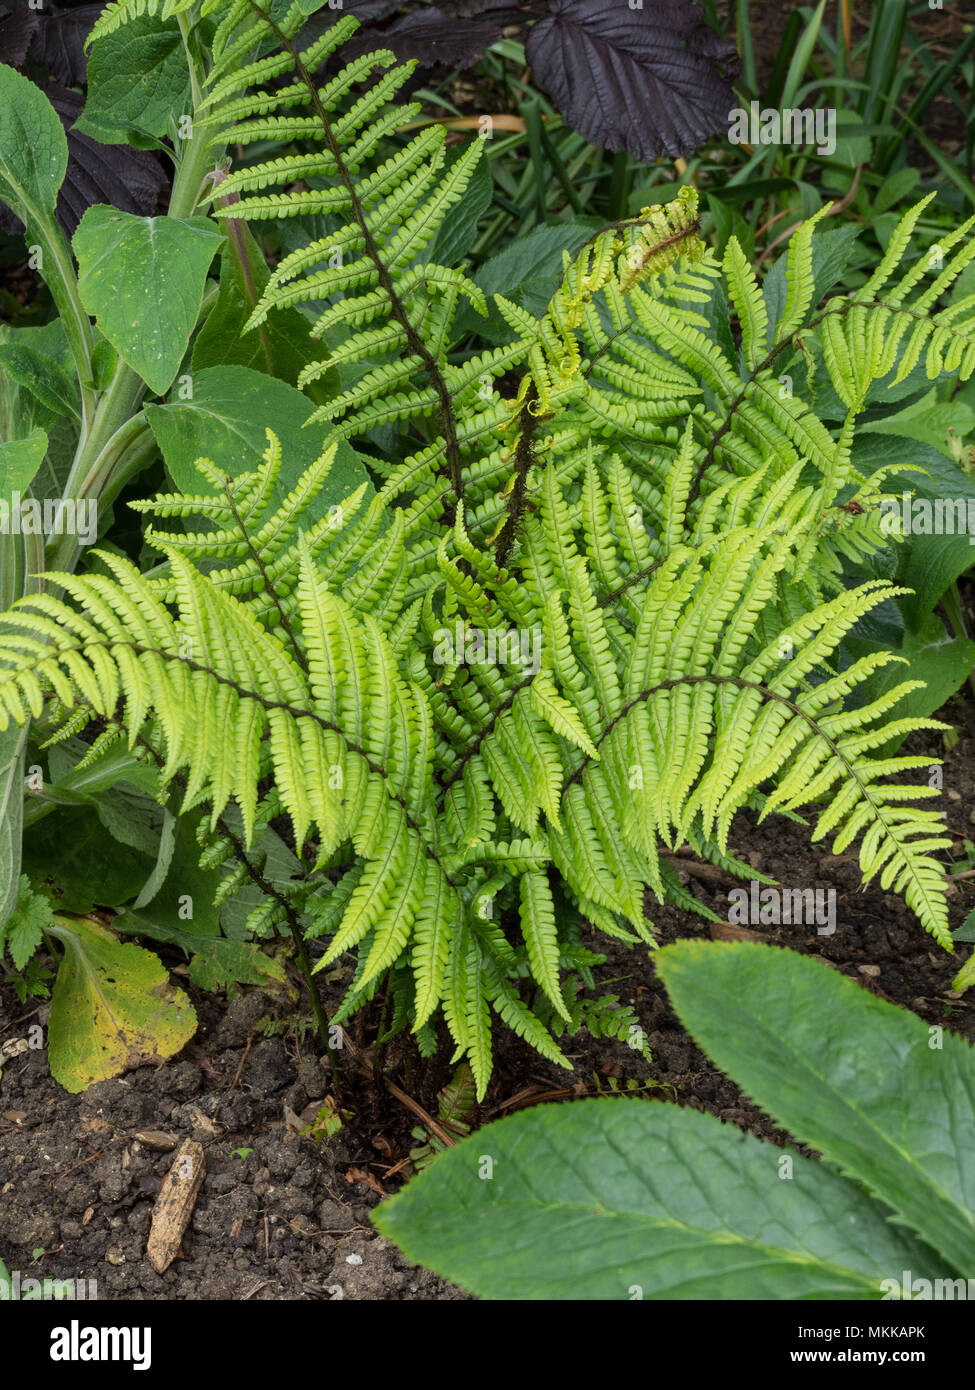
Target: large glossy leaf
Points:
x,y
142,278
622,1199
650,80
112,1008
227,420
866,1084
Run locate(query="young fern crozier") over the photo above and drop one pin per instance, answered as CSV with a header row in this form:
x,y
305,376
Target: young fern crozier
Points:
x,y
588,618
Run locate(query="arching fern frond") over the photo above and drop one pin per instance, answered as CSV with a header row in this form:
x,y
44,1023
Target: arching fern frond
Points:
x,y
447,778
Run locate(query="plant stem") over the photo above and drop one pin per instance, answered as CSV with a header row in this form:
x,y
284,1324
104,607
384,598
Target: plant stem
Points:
x,y
956,617
304,965
195,155
99,452
62,282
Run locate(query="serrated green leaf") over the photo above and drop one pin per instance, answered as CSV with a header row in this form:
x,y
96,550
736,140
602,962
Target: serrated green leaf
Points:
x,y
138,82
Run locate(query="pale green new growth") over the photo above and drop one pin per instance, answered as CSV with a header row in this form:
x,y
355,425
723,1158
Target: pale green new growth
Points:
x,y
648,510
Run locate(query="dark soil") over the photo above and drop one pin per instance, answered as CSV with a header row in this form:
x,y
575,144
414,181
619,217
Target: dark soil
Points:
x,y
281,1216
289,1217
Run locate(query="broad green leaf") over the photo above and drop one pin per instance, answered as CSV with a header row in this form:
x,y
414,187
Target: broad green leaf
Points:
x,y
226,421
182,914
928,564
138,83
864,1083
33,146
928,420
143,278
183,901
853,145
26,411
71,857
281,347
456,234
69,785
728,222
599,1198
526,272
19,461
112,1008
43,376
943,662
131,815
894,188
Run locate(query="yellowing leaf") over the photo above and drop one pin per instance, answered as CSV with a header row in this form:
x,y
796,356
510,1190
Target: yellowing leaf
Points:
x,y
113,1007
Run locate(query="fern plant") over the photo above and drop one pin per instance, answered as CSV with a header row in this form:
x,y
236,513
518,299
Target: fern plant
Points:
x,y
593,611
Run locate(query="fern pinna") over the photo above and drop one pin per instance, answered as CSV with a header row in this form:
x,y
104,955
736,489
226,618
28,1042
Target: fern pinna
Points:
x,y
586,618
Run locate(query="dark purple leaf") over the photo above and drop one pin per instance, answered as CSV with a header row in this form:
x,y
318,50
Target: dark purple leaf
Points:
x,y
60,40
466,8
365,11
652,81
430,37
131,180
16,32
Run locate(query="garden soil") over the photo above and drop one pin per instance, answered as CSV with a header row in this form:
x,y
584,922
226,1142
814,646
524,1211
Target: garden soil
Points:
x,y
284,1216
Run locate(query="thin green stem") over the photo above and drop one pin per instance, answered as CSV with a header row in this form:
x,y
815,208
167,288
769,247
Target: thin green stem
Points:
x,y
60,278
951,600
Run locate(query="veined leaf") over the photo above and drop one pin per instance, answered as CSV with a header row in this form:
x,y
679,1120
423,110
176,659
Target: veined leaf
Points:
x,y
112,1009
863,1082
142,278
598,1198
